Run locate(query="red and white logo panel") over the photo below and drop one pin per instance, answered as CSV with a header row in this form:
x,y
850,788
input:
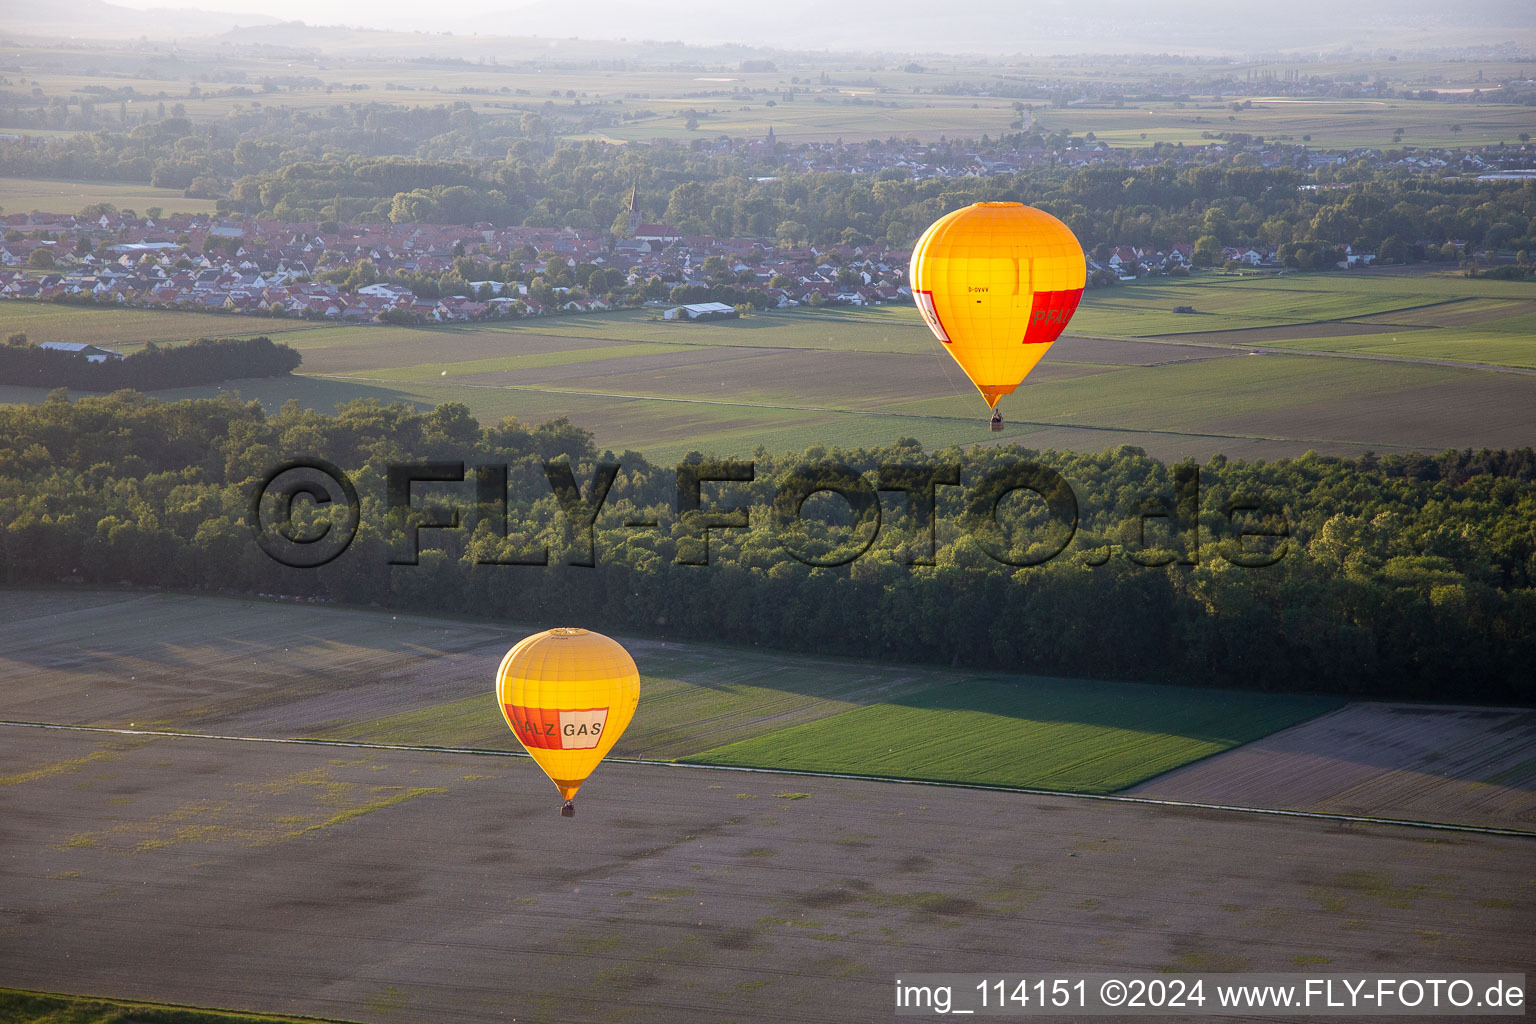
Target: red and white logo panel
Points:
x,y
580,730
1049,313
551,729
925,306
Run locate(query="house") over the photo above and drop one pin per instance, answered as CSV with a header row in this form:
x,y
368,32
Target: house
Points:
x,y
658,233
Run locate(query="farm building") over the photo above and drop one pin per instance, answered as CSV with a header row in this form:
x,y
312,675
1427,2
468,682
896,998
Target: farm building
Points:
x,y
702,311
80,348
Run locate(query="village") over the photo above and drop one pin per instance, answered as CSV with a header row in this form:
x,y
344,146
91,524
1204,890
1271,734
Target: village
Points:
x,y
276,268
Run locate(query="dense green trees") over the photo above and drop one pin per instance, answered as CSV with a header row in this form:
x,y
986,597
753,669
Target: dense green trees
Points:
x,y
1404,575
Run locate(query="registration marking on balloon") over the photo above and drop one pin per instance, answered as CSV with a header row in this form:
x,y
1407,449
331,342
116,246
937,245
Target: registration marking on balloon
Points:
x,y
552,729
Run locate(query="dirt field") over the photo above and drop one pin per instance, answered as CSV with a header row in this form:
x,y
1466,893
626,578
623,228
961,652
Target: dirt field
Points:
x,y
401,885
1467,765
406,886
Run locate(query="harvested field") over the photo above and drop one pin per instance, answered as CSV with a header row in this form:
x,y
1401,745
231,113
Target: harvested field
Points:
x,y
1467,765
1114,352
568,362
1426,414
415,886
626,363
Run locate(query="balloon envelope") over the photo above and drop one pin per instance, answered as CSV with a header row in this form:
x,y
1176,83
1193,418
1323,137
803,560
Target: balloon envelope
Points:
x,y
567,695
997,283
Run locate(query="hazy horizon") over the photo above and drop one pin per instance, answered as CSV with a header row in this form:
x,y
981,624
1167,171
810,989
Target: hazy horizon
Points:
x,y
977,26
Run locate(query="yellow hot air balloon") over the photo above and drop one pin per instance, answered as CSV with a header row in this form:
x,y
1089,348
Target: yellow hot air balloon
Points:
x,y
567,694
997,283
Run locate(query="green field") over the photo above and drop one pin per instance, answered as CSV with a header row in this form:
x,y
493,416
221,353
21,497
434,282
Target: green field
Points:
x,y
130,329
17,1007
1323,123
1225,303
1249,374
25,195
1059,734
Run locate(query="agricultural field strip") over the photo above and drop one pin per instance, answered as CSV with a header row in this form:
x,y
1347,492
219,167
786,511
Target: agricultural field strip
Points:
x,y
543,360
1106,797
1271,350
1402,760
861,413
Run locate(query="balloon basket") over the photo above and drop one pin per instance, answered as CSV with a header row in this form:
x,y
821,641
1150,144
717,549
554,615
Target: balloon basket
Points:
x,y
569,810
997,424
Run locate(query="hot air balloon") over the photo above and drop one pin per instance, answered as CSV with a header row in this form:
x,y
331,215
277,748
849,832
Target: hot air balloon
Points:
x,y
997,283
567,694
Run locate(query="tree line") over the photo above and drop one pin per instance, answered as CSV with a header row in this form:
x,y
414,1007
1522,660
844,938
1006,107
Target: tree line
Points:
x,y
203,361
1401,576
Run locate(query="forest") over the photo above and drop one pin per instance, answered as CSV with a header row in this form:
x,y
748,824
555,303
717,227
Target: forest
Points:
x,y
1401,576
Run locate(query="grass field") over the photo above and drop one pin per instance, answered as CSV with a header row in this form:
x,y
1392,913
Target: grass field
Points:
x,y
46,1008
24,195
129,329
1047,734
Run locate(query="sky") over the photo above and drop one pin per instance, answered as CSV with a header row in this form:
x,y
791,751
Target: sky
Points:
x,y
384,14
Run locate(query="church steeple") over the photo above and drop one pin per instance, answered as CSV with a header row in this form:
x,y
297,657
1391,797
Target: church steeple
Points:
x,y
634,210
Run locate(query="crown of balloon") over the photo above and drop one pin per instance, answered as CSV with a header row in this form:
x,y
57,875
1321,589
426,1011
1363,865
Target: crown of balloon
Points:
x,y
567,631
